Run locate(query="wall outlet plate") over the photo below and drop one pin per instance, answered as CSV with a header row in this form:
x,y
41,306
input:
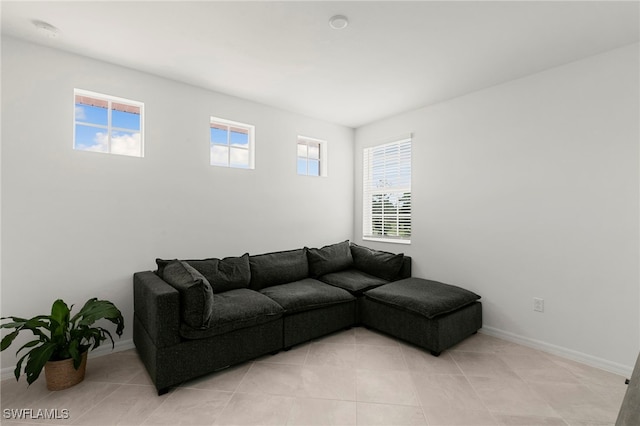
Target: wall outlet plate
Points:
x,y
538,304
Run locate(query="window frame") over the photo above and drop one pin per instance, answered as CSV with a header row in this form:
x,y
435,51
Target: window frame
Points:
x,y
322,155
108,128
396,165
250,129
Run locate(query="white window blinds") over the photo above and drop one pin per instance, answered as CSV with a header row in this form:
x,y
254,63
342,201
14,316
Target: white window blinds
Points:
x,y
387,192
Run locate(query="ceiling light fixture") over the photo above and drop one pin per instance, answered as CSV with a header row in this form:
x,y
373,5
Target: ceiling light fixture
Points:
x,y
338,22
46,29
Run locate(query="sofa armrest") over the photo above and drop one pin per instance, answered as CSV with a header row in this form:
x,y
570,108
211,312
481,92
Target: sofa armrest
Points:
x,y
405,270
157,306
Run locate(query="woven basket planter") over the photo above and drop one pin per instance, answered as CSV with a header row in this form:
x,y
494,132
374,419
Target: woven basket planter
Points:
x,y
61,374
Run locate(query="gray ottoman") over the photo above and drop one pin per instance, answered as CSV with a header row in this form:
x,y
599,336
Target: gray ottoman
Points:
x,y
430,314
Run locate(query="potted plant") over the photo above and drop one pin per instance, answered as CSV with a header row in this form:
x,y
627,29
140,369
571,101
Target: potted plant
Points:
x,y
62,341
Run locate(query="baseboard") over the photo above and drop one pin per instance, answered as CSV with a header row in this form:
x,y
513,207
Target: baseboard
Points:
x,y
104,349
603,364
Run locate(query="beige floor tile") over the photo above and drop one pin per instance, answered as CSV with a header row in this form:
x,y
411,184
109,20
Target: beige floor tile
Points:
x,y
127,405
534,361
17,394
576,402
384,415
118,367
510,396
324,412
374,357
554,374
365,336
337,355
459,417
77,400
186,406
388,387
320,381
251,409
446,391
482,364
520,420
422,361
223,380
272,379
587,374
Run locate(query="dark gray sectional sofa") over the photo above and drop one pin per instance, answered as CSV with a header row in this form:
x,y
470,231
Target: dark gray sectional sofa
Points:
x,y
192,317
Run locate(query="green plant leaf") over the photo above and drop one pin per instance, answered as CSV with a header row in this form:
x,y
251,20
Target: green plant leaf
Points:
x,y
6,341
38,357
29,345
59,318
95,310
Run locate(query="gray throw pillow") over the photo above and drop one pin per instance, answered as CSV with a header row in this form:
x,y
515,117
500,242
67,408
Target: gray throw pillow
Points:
x,y
196,295
230,273
378,263
278,268
328,259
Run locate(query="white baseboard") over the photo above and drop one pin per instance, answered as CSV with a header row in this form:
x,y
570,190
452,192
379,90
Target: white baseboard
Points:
x,y
104,349
603,364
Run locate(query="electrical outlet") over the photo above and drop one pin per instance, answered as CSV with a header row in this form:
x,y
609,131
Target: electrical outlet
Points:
x,y
538,304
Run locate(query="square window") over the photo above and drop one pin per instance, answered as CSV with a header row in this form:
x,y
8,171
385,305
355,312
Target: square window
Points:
x,y
311,157
231,144
107,124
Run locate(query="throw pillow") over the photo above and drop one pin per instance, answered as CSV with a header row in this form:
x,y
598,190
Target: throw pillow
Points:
x,y
230,273
196,295
328,259
278,268
378,263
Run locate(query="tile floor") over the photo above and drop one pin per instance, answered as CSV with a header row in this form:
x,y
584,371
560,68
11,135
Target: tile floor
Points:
x,y
354,377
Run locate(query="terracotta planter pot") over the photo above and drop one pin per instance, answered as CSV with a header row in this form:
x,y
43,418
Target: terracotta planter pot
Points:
x,y
61,374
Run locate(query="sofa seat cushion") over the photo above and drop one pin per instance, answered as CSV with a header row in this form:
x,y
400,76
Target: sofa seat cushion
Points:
x,y
233,310
424,297
353,280
306,294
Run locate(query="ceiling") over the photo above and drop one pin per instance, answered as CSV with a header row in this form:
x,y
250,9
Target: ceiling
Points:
x,y
393,57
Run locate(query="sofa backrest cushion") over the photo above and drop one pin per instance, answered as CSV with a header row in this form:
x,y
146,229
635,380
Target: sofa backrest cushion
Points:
x,y
378,263
328,259
278,268
230,273
196,294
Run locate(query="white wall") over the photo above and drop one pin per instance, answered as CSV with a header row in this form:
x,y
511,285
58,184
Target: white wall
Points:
x,y
79,224
531,189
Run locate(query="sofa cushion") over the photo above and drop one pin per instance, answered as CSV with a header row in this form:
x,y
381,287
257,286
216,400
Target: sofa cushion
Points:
x,y
196,295
233,310
278,268
328,259
379,263
306,294
353,280
424,297
226,274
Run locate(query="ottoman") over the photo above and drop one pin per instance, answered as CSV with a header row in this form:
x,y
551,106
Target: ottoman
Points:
x,y
430,314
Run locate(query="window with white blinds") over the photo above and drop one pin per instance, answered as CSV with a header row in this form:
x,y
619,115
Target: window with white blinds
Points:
x,y
387,192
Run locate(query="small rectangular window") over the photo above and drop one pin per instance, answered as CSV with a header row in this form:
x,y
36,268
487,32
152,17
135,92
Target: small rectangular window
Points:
x,y
311,156
231,144
387,192
108,124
